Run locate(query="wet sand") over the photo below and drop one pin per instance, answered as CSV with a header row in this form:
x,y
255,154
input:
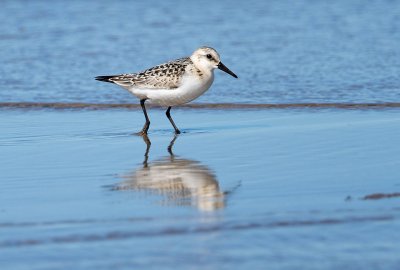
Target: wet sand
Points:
x,y
224,106
275,188
293,166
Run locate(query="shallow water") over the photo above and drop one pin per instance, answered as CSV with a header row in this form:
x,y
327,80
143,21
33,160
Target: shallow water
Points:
x,y
250,189
283,51
298,179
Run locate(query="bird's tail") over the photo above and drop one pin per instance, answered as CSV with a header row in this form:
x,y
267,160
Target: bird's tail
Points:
x,y
104,78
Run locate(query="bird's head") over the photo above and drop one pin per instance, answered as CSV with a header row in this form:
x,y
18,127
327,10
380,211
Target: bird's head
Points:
x,y
207,58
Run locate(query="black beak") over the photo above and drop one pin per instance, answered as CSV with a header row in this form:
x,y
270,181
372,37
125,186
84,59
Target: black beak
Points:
x,y
224,68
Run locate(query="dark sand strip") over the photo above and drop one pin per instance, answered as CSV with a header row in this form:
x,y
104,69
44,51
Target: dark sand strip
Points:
x,y
379,196
104,106
176,231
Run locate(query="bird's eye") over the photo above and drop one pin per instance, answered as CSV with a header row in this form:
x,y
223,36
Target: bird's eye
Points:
x,y
209,56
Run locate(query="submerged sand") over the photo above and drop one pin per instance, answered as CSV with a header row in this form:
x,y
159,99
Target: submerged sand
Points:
x,y
279,188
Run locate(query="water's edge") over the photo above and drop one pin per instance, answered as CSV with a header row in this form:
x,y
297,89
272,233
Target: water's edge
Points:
x,y
100,106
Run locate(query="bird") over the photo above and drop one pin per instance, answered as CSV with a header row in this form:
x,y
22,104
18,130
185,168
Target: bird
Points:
x,y
173,83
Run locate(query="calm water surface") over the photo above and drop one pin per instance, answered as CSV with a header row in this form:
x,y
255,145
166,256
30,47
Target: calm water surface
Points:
x,y
283,51
250,189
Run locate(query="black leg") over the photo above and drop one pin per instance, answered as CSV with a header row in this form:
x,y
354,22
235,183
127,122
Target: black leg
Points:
x,y
147,124
172,121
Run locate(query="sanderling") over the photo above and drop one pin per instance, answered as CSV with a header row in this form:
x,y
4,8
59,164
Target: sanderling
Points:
x,y
173,83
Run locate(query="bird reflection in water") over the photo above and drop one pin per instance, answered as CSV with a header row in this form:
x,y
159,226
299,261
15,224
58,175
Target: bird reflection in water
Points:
x,y
181,181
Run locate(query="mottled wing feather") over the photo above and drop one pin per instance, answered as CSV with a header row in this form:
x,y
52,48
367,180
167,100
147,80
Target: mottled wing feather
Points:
x,y
166,75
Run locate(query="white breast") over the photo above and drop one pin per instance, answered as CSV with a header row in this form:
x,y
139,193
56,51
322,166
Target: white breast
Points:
x,y
191,88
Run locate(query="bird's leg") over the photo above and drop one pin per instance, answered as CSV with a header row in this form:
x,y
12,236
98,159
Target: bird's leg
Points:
x,y
147,124
172,121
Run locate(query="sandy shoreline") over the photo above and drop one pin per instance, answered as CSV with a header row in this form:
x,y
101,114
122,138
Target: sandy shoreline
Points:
x,y
228,106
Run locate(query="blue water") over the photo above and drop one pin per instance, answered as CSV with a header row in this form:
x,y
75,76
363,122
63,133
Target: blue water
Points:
x,y
283,51
240,189
281,189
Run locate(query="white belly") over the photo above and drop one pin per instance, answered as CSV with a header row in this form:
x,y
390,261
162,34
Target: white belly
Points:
x,y
190,89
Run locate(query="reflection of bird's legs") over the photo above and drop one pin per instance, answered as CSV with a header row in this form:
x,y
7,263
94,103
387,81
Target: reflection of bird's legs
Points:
x,y
148,144
171,144
168,114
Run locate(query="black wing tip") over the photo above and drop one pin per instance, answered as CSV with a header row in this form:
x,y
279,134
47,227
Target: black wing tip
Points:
x,y
104,78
